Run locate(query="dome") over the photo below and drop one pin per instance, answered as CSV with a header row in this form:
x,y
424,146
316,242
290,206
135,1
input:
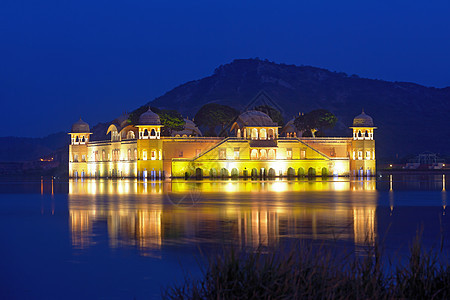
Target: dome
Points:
x,y
363,120
149,118
290,126
190,128
255,118
80,127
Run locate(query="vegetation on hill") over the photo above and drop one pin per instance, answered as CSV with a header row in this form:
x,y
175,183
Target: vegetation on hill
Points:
x,y
171,119
212,115
315,121
272,112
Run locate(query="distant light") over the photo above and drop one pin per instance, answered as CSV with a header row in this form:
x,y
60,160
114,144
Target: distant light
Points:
x,y
390,166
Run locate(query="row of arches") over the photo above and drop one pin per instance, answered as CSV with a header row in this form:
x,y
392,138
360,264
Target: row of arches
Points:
x,y
79,140
149,133
263,154
255,173
262,134
363,135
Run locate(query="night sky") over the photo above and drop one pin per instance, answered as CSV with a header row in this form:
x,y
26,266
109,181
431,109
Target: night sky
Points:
x,y
64,59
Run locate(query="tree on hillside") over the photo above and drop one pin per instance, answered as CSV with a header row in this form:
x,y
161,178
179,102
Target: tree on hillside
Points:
x,y
272,112
316,120
133,118
212,115
170,119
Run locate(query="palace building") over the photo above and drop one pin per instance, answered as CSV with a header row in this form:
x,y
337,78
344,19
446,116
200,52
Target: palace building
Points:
x,y
258,148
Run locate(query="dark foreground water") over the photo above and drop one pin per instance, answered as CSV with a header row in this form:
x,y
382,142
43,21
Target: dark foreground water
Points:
x,y
126,239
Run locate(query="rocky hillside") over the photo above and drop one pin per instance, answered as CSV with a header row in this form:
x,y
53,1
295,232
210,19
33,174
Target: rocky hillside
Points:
x,y
411,118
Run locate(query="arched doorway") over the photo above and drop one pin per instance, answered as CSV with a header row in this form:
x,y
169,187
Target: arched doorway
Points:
x,y
262,173
311,172
213,173
324,172
234,173
254,173
301,172
272,173
290,173
224,173
198,174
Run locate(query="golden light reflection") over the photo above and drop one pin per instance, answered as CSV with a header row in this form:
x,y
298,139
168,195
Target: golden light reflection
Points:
x,y
148,215
444,195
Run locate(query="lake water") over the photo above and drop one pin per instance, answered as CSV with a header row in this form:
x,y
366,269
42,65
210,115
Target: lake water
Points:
x,y
125,239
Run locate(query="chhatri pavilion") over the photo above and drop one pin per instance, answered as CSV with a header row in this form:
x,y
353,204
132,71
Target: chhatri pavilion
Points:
x,y
258,148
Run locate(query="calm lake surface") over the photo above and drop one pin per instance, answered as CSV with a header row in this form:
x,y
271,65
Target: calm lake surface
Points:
x,y
125,239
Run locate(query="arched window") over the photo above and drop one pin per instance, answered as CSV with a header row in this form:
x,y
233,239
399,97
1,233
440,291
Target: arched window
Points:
x,y
103,155
271,154
146,132
366,134
130,135
153,157
144,154
254,134
82,139
271,134
359,134
76,140
254,154
153,132
129,154
263,154
135,154
262,134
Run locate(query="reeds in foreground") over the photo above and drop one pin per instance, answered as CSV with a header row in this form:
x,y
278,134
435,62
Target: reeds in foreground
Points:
x,y
305,272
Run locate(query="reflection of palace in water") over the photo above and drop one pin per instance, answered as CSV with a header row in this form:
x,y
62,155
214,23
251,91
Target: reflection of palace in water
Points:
x,y
150,214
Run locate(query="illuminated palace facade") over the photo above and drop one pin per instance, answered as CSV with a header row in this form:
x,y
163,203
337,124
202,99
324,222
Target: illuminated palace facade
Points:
x,y
258,148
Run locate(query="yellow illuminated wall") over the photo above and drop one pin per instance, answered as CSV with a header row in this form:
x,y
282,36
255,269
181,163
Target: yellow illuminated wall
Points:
x,y
223,157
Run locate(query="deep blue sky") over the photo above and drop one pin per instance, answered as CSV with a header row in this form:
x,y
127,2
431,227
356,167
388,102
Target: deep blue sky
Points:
x,y
95,59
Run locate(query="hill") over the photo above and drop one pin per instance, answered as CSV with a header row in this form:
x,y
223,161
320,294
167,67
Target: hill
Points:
x,y
411,118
